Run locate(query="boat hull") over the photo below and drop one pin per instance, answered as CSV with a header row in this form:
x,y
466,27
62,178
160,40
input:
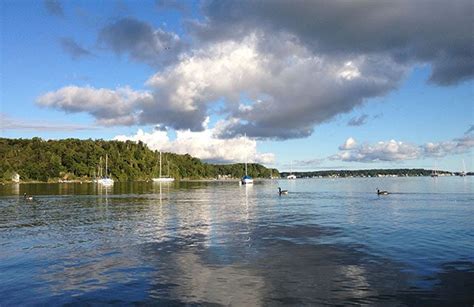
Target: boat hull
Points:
x,y
247,181
106,181
163,179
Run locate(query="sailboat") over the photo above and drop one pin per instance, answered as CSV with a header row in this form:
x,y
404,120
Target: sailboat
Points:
x,y
463,173
161,178
105,181
433,172
291,176
246,179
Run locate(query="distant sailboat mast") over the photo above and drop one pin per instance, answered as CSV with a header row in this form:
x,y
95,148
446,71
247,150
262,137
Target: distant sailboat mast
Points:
x,y
246,179
106,158
160,164
245,167
106,181
100,167
161,178
291,176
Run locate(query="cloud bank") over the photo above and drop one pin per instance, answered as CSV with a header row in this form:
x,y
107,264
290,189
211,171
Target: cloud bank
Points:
x,y
393,150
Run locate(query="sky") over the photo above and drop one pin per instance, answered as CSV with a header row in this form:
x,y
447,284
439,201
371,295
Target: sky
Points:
x,y
296,85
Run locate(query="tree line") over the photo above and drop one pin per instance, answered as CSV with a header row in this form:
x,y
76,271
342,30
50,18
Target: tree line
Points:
x,y
368,173
74,159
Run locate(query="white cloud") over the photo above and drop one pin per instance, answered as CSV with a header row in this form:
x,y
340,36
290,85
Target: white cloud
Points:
x,y
349,71
110,107
455,146
289,88
350,143
398,151
184,92
381,151
204,145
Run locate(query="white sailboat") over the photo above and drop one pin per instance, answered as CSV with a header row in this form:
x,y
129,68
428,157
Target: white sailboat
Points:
x,y
433,172
246,179
463,173
161,178
291,176
105,181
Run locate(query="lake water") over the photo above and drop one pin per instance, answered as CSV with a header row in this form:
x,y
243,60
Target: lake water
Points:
x,y
330,241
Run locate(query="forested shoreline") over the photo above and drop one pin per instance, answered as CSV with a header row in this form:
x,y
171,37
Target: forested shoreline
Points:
x,y
74,159
398,172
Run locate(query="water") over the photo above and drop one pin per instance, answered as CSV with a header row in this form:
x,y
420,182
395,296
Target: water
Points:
x,y
330,241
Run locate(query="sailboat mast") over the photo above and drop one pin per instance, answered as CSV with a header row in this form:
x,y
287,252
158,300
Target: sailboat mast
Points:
x,y
106,158
160,164
246,158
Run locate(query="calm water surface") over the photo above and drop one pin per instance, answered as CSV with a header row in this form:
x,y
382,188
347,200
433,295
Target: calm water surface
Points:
x,y
327,242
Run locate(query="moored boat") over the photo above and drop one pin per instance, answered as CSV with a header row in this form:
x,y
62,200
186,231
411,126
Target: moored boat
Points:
x,y
106,181
161,178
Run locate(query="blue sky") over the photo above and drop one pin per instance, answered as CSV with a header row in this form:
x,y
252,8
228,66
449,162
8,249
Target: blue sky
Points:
x,y
209,73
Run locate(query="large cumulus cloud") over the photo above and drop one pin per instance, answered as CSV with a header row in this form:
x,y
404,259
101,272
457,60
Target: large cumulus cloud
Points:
x,y
287,92
277,69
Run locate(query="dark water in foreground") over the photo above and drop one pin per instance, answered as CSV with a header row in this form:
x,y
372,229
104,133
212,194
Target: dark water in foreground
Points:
x,y
327,242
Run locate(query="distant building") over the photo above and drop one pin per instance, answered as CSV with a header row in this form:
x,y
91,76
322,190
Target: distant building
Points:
x,y
16,177
224,177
